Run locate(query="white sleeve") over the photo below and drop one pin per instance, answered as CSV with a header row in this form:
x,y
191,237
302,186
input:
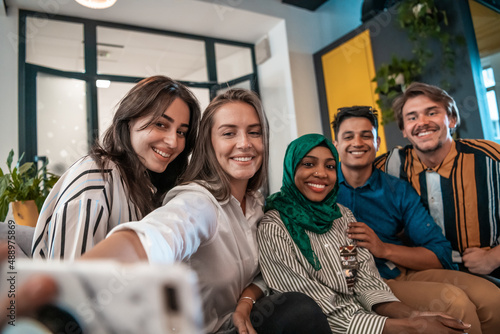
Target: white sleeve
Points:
x,y
174,231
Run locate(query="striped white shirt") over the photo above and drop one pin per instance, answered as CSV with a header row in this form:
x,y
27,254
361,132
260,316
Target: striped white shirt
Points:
x,y
285,269
80,210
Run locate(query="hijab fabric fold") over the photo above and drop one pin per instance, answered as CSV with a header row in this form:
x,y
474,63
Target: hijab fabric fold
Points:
x,y
297,212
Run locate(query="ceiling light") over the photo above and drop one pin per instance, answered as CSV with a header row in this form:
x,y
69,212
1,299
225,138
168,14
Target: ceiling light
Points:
x,y
103,83
96,4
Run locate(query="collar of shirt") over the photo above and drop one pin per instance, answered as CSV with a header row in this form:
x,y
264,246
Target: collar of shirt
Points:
x,y
255,204
373,181
444,169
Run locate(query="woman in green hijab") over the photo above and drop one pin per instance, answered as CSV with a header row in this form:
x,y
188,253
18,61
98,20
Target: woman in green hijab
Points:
x,y
304,247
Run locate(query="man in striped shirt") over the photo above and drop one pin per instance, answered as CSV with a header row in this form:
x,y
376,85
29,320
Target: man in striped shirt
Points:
x,y
458,180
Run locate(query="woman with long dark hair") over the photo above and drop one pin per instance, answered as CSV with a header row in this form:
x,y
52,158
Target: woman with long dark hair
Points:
x,y
142,154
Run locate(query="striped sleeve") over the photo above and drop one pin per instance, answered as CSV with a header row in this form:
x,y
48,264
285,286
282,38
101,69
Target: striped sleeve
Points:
x,y
370,288
473,194
80,210
71,233
380,161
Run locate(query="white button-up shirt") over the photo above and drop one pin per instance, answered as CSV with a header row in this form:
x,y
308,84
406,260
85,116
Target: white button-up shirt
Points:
x,y
214,238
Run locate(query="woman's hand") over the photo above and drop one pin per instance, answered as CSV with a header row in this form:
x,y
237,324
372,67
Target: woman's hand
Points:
x,y
437,322
241,317
34,293
426,322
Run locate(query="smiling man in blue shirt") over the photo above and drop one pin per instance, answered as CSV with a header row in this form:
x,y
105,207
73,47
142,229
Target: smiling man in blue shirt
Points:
x,y
389,211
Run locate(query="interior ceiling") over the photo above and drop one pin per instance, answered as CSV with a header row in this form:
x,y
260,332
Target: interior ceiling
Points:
x,y
188,16
487,27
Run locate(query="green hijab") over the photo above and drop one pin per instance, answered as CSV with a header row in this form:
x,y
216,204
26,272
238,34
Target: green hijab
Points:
x,y
297,212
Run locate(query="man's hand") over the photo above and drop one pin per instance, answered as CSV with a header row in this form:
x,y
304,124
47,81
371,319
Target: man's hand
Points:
x,y
367,238
480,261
241,318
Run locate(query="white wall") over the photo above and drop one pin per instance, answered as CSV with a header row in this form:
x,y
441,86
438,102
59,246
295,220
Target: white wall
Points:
x,y
334,19
277,98
8,87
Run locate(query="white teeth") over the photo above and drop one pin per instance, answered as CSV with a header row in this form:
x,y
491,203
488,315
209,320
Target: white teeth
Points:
x,y
321,186
421,134
163,154
243,159
357,152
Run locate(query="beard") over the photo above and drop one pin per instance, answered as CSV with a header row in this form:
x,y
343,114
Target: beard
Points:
x,y
429,149
433,127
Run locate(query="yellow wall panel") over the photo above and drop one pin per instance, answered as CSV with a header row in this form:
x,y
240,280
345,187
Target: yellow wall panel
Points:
x,y
348,71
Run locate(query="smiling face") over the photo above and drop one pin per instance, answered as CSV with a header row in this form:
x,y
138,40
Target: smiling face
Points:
x,y
357,143
316,174
161,142
237,141
427,125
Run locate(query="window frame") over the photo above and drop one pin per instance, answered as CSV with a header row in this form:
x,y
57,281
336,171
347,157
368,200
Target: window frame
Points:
x,y
28,73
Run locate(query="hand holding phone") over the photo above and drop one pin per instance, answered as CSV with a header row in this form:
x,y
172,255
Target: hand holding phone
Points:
x,y
108,297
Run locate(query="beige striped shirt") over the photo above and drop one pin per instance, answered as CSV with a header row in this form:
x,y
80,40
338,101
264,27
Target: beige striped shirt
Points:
x,y
285,269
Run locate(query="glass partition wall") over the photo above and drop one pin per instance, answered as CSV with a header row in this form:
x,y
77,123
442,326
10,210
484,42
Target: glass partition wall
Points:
x,y
73,72
486,21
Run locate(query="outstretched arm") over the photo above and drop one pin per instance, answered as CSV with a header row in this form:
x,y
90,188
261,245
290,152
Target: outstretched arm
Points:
x,y
123,246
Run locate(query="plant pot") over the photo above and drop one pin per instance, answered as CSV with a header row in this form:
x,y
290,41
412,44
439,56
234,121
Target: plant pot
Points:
x,y
25,213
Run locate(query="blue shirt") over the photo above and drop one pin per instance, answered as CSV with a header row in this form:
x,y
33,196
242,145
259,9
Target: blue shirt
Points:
x,y
388,206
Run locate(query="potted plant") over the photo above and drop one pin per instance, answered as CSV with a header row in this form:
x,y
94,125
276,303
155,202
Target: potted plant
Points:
x,y
26,187
391,81
423,22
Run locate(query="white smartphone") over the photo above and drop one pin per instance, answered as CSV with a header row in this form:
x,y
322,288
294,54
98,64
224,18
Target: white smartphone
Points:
x,y
102,297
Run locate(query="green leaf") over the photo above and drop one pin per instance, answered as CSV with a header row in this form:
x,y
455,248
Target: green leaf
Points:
x,y
24,182
9,159
4,209
25,167
3,185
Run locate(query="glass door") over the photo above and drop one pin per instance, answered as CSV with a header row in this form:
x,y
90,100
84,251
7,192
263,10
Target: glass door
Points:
x,y
487,29
61,121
